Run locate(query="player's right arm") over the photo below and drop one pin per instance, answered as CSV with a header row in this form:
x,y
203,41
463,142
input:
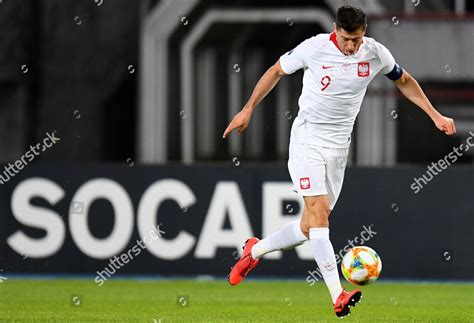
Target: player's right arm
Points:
x,y
266,83
288,63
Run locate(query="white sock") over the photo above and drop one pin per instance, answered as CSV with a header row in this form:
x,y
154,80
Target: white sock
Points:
x,y
326,260
289,236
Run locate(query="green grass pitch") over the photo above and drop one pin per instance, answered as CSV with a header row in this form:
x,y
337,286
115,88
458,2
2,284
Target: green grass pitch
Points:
x,y
216,301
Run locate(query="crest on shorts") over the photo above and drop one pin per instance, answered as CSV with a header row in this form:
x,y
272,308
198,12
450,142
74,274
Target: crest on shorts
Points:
x,y
305,183
363,69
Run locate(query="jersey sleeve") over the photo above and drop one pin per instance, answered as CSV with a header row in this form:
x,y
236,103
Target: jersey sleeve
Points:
x,y
296,58
389,67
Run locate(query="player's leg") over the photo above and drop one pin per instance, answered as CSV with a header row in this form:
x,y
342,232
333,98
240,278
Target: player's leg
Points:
x,y
289,236
304,221
307,170
316,222
313,186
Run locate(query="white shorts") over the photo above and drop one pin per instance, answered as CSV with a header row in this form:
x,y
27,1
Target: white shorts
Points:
x,y
317,170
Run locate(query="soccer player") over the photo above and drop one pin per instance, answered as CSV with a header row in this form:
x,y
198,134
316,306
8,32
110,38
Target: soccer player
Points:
x,y
338,67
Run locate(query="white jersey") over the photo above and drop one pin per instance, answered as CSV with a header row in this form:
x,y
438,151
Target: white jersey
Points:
x,y
334,85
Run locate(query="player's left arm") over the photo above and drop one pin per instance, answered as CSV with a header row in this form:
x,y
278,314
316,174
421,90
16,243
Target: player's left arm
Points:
x,y
413,92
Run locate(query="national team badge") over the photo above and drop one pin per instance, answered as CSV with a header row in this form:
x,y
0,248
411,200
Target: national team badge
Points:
x,y
363,69
304,183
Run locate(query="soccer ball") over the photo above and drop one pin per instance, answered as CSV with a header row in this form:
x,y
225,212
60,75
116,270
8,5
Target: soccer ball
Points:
x,y
361,265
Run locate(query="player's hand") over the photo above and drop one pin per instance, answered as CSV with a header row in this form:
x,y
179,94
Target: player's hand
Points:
x,y
446,125
241,120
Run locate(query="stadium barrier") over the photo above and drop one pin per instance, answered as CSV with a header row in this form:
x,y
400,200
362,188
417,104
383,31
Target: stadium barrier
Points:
x,y
71,218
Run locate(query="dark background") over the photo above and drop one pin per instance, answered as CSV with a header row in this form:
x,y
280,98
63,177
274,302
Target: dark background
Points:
x,y
74,67
84,59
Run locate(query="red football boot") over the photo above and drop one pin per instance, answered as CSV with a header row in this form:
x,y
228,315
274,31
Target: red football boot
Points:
x,y
245,264
345,301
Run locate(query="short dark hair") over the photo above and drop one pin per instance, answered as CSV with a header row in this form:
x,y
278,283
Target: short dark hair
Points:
x,y
351,18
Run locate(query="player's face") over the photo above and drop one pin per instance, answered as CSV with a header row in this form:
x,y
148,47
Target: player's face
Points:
x,y
349,43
